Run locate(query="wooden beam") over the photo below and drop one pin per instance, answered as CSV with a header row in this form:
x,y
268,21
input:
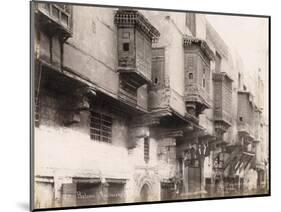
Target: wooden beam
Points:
x,y
172,134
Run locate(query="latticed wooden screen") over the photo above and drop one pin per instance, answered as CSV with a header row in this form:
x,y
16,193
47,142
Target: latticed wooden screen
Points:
x,y
146,149
101,127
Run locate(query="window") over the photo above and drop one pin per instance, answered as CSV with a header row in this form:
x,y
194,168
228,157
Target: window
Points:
x,y
64,7
61,13
101,127
156,81
146,149
140,46
204,83
190,22
158,66
126,47
240,118
239,80
55,12
190,76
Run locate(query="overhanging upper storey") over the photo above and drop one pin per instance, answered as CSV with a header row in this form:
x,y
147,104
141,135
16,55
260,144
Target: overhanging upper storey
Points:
x,y
135,37
222,101
197,57
55,18
258,125
200,44
132,18
245,110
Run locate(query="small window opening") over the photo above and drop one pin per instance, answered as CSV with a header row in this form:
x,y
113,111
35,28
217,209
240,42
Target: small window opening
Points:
x,y
156,81
125,47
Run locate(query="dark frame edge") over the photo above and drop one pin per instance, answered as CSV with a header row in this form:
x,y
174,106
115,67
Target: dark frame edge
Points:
x,y
152,202
154,8
31,118
269,104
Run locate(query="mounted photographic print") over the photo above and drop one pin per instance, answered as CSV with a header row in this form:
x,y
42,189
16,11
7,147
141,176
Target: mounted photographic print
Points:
x,y
137,105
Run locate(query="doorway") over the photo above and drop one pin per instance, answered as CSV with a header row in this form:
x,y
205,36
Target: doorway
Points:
x,y
144,193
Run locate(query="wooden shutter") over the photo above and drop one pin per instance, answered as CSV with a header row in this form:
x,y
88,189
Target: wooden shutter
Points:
x,y
69,194
158,67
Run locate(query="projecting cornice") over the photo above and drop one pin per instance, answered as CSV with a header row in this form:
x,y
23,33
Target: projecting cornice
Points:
x,y
132,18
220,76
188,40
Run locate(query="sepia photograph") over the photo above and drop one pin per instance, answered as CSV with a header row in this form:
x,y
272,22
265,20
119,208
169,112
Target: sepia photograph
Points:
x,y
141,105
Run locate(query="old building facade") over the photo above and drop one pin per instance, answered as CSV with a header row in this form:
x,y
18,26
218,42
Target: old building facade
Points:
x,y
140,105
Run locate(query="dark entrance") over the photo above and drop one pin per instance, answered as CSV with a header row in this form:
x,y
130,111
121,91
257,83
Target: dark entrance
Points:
x,y
208,186
194,179
89,194
116,193
167,191
144,193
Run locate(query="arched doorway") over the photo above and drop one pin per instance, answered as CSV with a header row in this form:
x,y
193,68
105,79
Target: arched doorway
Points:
x,y
144,193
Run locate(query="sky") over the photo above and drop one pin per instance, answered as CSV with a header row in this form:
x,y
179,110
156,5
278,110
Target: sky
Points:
x,y
248,36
